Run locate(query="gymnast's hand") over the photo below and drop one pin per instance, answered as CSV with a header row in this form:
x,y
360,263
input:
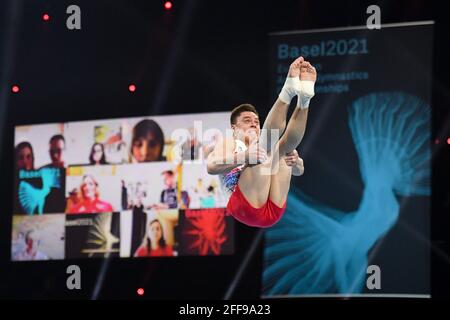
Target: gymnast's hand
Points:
x,y
293,160
255,154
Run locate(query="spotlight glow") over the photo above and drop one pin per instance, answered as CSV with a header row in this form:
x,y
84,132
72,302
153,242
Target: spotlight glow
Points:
x,y
168,5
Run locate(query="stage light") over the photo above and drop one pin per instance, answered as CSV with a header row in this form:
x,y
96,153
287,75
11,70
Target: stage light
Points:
x,y
15,89
168,5
45,17
132,88
140,291
448,141
436,141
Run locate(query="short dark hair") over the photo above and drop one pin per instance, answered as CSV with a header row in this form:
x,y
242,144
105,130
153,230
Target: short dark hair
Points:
x,y
57,137
169,172
239,109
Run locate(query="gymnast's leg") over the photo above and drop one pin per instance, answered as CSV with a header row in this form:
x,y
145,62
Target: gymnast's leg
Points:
x,y
276,119
295,130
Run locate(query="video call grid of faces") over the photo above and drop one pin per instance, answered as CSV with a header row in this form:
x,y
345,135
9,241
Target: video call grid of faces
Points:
x,y
131,187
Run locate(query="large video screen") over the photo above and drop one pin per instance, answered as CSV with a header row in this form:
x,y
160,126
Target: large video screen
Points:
x,y
129,188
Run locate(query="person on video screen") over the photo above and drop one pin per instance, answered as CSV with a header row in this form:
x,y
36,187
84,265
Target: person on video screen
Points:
x,y
90,198
147,142
154,244
24,156
169,194
55,200
30,251
57,147
27,179
97,155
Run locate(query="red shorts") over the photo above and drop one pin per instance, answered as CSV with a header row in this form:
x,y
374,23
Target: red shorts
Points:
x,y
243,211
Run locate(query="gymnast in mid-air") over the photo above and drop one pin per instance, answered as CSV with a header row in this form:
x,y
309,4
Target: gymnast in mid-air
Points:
x,y
256,165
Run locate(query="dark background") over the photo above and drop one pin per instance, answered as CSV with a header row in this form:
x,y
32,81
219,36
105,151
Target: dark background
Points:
x,y
201,56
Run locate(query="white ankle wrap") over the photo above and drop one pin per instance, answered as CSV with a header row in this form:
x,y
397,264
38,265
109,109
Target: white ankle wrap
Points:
x,y
305,93
290,89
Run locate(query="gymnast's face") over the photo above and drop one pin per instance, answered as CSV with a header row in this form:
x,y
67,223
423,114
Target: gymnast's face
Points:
x,y
247,126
